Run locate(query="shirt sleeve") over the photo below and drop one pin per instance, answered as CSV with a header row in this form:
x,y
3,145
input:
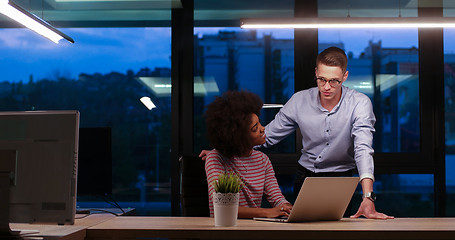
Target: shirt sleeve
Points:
x,y
213,168
362,134
271,188
283,124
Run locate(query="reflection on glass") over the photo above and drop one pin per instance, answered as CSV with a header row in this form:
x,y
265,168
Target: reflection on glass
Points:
x,y
449,106
405,195
383,64
362,8
102,77
234,59
399,195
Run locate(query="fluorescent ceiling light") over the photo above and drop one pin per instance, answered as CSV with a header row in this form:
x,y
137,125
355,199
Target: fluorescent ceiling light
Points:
x,y
162,87
272,105
148,103
350,22
31,21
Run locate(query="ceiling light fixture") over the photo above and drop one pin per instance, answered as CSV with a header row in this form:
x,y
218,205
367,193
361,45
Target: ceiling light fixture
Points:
x,y
147,103
272,105
32,22
350,22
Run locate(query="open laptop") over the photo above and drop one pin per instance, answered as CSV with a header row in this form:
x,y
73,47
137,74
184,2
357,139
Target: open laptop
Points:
x,y
321,199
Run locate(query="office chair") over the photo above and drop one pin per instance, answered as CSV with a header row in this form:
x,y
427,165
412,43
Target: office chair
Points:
x,y
193,187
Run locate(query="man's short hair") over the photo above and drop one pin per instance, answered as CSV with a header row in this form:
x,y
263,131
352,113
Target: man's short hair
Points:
x,y
334,57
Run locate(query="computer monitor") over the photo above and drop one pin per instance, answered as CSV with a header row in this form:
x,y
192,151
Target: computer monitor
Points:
x,y
43,177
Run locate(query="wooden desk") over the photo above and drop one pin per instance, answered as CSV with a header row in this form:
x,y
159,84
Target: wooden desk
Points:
x,y
107,226
66,232
92,219
63,232
203,228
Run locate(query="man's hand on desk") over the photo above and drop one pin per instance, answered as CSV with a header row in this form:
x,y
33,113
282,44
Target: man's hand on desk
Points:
x,y
368,210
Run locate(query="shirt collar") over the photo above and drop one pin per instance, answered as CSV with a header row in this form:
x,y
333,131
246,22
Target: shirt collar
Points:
x,y
335,109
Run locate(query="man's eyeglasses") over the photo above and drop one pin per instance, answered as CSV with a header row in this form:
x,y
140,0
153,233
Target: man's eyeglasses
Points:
x,y
322,81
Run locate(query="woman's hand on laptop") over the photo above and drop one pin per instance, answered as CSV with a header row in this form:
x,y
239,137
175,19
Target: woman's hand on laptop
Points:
x,y
287,207
278,211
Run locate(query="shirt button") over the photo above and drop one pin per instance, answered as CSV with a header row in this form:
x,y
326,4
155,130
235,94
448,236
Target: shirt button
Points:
x,y
327,130
327,144
320,156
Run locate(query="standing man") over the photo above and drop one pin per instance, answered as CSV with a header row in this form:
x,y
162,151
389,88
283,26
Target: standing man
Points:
x,y
337,126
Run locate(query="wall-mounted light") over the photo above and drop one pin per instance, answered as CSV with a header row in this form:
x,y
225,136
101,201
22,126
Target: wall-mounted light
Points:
x,y
32,22
148,103
350,22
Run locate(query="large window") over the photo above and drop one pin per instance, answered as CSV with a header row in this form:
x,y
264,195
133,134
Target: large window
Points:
x,y
114,63
103,75
449,95
384,65
233,59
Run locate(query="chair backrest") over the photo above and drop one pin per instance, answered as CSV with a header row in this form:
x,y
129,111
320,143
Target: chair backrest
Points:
x,y
193,187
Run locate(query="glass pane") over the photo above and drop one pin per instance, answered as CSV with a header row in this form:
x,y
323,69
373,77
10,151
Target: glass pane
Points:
x,y
403,195
449,95
234,59
231,11
101,13
448,8
103,75
384,65
367,8
398,195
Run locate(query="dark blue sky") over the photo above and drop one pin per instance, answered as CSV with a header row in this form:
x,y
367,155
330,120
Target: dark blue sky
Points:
x,y
104,50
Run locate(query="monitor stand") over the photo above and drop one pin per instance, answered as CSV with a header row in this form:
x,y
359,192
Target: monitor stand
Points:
x,y
5,230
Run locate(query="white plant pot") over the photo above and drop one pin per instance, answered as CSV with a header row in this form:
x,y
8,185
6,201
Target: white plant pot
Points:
x,y
226,207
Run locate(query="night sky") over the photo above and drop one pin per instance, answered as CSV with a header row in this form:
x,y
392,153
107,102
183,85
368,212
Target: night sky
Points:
x,y
103,50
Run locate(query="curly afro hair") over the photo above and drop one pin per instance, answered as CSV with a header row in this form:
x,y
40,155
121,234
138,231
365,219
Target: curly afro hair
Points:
x,y
228,119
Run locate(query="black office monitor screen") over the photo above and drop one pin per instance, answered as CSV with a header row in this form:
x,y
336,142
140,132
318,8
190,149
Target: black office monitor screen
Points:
x,y
95,162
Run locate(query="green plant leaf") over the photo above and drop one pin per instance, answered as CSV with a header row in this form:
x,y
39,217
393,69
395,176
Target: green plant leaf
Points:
x,y
228,182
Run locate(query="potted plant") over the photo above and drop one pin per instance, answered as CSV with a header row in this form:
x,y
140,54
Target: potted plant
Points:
x,y
226,198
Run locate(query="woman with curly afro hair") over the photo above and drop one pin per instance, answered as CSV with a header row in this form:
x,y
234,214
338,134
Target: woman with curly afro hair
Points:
x,y
233,129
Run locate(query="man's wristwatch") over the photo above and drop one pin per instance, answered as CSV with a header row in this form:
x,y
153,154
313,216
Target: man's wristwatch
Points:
x,y
370,195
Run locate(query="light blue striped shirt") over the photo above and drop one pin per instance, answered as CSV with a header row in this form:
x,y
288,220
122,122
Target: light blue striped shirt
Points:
x,y
334,141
